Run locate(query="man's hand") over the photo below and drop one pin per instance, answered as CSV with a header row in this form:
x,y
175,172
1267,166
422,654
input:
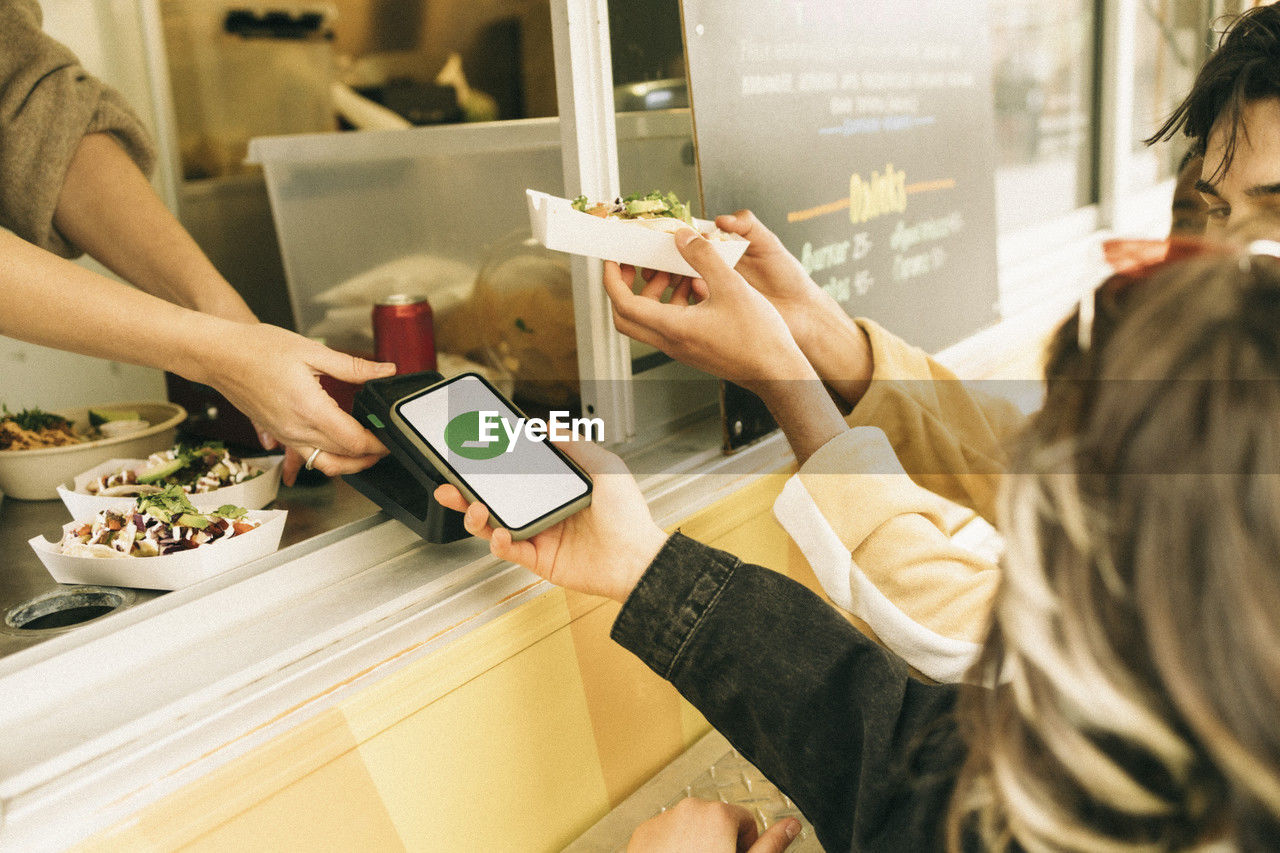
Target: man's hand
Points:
x,y
832,342
778,275
107,208
720,324
602,550
731,331
710,827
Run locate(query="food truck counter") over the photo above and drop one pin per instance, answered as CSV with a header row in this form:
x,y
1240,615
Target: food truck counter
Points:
x,y
126,712
35,608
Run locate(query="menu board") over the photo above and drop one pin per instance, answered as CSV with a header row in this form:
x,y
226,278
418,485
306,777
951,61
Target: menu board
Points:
x,y
861,133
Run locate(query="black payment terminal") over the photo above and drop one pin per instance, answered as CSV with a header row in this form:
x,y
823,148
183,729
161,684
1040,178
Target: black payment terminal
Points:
x,y
402,483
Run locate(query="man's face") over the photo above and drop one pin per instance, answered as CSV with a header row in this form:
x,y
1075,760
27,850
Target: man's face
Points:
x,y
1251,186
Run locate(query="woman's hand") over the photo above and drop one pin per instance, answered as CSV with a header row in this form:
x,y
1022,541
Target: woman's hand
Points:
x,y
833,343
729,329
778,275
722,325
602,550
272,375
268,373
710,827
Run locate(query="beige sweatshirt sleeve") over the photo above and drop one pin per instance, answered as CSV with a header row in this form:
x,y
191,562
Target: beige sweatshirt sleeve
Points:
x,y
48,103
949,436
878,543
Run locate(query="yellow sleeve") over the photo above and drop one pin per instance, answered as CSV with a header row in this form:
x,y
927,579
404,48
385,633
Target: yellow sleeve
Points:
x,y
880,546
950,436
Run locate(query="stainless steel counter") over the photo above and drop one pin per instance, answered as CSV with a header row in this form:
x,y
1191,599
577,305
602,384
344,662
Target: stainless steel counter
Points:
x,y
313,509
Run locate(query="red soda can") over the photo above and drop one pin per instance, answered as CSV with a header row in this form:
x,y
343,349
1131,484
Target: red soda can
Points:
x,y
403,332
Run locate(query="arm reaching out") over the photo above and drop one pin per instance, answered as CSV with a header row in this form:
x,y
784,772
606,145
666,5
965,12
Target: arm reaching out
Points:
x,y
268,373
829,338
108,210
826,714
71,180
732,331
950,436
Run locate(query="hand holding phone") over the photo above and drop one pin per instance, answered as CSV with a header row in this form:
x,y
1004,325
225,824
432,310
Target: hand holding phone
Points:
x,y
602,550
483,445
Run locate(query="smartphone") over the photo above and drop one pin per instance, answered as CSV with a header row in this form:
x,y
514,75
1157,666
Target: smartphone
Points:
x,y
479,442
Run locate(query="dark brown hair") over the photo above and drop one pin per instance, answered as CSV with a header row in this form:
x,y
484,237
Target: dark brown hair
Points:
x,y
1244,68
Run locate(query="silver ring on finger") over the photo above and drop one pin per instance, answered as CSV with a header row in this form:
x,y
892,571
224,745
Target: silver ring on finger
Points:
x,y
311,460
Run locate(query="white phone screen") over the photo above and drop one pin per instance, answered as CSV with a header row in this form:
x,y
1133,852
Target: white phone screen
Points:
x,y
474,431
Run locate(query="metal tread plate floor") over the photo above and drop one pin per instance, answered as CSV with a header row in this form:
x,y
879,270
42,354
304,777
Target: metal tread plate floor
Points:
x,y
710,770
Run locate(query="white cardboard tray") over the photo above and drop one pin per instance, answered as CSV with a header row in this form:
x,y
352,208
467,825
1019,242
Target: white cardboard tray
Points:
x,y
251,494
171,571
558,226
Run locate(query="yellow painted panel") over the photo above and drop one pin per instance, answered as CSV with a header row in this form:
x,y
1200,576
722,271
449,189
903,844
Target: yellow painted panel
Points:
x,y
506,762
635,715
692,723
337,808
231,789
580,604
517,736
401,694
743,506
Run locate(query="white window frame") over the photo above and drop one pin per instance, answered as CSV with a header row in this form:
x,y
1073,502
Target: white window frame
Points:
x,y
589,145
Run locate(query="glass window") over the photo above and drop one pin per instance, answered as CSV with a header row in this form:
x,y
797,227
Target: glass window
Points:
x,y
1171,43
1043,68
1172,40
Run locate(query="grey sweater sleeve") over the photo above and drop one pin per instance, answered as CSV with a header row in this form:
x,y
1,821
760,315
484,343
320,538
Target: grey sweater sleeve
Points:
x,y
48,103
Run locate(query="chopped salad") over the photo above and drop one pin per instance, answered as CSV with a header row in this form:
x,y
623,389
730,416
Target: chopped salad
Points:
x,y
159,524
652,205
195,469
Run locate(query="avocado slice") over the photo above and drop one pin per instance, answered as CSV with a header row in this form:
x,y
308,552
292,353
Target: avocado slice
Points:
x,y
635,208
187,519
156,473
98,417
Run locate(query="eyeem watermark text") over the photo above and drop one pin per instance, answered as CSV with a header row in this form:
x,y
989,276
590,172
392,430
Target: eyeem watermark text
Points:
x,y
559,427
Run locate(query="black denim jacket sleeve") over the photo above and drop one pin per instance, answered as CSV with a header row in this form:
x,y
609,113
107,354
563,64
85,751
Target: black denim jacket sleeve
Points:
x,y
867,752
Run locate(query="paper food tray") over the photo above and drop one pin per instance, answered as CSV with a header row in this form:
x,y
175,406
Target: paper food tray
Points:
x,y
251,494
558,226
171,571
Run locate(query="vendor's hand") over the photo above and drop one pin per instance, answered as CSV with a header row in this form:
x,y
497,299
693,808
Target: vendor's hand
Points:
x,y
602,550
732,331
272,375
710,827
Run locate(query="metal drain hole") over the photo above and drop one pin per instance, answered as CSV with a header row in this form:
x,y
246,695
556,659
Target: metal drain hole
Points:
x,y
66,608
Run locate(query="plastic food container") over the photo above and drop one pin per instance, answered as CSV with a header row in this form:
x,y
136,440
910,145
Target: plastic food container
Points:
x,y
363,215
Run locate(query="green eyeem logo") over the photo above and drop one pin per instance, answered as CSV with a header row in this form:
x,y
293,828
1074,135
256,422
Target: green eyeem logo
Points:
x,y
463,436
484,435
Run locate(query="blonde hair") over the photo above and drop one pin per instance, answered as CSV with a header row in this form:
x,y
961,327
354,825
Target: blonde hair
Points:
x,y
1132,672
